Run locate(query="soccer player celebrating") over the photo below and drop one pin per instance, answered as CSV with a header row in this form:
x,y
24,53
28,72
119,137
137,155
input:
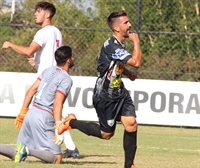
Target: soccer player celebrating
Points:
x,y
111,99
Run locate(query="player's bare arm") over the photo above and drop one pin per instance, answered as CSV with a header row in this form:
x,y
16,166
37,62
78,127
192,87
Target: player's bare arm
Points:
x,y
23,50
130,74
57,111
27,100
30,93
58,106
136,59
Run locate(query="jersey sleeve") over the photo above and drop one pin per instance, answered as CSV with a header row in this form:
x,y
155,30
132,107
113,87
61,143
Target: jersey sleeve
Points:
x,y
65,86
38,38
117,50
121,54
42,74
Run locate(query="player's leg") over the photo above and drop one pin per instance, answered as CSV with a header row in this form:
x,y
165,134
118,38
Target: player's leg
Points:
x,y
24,137
129,139
7,151
71,149
58,159
44,155
42,128
44,132
105,111
128,119
104,130
88,128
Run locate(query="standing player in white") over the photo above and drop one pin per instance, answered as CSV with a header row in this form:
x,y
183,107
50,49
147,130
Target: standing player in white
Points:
x,y
38,135
43,46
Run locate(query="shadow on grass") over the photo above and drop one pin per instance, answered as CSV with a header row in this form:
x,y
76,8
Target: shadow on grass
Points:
x,y
77,160
72,161
85,156
88,162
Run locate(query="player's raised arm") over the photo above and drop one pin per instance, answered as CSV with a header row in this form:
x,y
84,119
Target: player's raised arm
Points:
x,y
136,59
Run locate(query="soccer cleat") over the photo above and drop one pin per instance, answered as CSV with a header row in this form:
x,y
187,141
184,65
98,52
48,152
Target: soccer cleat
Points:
x,y
65,125
21,153
70,153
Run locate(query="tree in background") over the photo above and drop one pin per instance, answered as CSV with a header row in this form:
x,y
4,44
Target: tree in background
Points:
x,y
167,54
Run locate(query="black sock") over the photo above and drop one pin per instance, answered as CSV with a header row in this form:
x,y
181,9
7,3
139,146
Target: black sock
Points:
x,y
89,128
130,147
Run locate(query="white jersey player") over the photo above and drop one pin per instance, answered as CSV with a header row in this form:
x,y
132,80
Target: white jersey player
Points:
x,y
43,46
49,38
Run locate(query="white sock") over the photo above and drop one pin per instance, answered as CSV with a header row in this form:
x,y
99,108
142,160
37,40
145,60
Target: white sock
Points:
x,y
27,150
68,141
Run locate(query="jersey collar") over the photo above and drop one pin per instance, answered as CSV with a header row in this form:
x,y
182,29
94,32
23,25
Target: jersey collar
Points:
x,y
48,25
122,44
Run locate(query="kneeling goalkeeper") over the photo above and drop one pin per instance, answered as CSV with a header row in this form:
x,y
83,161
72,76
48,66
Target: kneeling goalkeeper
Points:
x,y
38,135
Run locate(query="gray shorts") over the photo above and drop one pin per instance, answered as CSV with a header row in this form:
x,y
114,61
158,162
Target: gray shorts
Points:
x,y
38,130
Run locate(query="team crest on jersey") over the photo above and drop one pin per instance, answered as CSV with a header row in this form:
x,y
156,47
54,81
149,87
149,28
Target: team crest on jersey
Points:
x,y
110,122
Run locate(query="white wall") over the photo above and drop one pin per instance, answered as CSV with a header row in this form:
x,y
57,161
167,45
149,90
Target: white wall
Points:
x,y
157,102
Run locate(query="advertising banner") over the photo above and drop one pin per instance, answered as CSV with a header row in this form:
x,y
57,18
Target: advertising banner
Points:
x,y
157,102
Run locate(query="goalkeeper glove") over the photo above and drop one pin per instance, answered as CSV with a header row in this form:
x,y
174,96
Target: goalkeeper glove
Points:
x,y
20,118
58,139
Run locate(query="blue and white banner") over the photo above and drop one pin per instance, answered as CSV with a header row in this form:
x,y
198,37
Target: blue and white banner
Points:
x,y
157,102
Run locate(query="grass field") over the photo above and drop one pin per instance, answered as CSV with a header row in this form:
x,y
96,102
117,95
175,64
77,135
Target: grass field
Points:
x,y
158,147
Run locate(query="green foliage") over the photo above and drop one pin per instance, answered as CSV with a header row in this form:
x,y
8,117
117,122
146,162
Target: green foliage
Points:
x,y
5,18
170,16
8,32
105,7
168,34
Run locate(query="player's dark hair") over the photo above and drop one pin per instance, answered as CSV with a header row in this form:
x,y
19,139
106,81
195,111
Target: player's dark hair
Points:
x,y
62,54
46,6
114,16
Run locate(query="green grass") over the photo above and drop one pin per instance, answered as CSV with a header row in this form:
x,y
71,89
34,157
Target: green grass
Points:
x,y
158,147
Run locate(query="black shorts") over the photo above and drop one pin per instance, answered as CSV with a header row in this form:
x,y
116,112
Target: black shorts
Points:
x,y
108,109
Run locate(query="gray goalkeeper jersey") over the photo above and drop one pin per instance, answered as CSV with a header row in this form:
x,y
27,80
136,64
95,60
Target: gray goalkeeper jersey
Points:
x,y
53,79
